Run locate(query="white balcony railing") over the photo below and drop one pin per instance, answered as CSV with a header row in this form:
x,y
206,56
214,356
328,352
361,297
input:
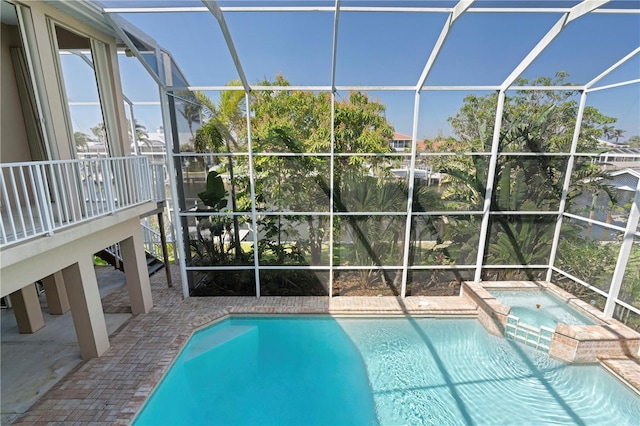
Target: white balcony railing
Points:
x,y
40,197
152,241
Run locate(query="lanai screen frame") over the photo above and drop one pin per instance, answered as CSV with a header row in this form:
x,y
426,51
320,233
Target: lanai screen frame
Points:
x,y
568,15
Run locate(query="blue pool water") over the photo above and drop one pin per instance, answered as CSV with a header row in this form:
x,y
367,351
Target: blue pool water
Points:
x,y
319,370
551,311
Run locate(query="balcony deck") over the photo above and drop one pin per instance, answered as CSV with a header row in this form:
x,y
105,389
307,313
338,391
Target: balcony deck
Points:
x,y
43,197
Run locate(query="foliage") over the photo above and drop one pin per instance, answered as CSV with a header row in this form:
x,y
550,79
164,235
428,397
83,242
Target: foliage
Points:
x,y
534,122
610,133
189,108
634,142
300,122
538,123
520,240
587,259
99,132
141,132
218,133
284,121
630,290
214,196
81,139
375,240
211,248
475,120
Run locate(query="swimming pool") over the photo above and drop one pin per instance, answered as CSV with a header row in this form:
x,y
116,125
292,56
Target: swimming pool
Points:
x,y
539,308
322,370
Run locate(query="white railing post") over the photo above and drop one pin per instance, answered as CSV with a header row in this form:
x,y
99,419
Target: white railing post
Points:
x,y
107,180
44,195
7,202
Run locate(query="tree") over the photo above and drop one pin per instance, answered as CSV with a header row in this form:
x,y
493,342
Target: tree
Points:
x,y
141,134
634,142
100,133
300,122
608,131
214,197
219,131
286,121
189,108
81,139
617,134
536,122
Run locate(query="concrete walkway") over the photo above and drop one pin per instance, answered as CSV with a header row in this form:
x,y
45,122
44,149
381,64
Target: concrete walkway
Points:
x,y
33,363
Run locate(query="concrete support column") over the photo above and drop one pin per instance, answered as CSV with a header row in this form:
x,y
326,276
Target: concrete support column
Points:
x,y
56,293
86,308
26,308
136,272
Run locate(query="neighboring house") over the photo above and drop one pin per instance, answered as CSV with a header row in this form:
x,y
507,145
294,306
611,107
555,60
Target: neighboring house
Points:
x,y
401,142
58,210
624,180
620,158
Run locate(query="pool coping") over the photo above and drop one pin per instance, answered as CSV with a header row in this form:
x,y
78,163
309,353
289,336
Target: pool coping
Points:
x,y
113,389
624,370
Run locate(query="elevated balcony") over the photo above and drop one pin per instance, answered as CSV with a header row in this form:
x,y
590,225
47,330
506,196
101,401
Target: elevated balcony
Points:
x,y
54,212
45,197
55,216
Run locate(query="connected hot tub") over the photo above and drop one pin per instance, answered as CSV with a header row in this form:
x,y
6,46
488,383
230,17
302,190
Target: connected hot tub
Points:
x,y
539,308
542,315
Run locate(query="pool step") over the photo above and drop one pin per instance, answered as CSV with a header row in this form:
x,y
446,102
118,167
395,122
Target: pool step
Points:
x,y
537,337
219,338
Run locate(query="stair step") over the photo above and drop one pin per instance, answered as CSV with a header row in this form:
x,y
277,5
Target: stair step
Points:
x,y
153,264
110,259
155,267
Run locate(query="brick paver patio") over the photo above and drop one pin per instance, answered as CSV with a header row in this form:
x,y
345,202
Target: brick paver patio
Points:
x,y
113,388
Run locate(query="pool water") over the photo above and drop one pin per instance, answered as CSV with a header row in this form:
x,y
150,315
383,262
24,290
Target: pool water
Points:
x,y
265,371
320,370
551,311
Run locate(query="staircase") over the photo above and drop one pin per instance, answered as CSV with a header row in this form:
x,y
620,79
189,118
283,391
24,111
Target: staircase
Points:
x,y
112,256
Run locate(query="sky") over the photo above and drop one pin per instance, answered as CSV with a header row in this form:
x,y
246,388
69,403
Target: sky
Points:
x,y
382,49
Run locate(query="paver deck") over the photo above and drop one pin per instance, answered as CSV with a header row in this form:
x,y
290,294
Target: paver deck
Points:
x,y
113,388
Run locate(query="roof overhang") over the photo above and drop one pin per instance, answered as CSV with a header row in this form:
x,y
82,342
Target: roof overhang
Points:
x,y
631,172
87,11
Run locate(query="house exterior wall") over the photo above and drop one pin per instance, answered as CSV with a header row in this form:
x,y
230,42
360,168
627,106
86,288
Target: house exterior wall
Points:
x,y
14,145
70,252
67,254
62,145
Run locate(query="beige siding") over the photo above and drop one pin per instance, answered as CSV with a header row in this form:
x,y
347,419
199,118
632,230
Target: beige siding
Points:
x,y
14,144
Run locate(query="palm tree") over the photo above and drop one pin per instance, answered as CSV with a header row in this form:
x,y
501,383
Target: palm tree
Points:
x,y
607,132
190,110
521,184
617,134
218,131
81,139
100,132
375,239
141,136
